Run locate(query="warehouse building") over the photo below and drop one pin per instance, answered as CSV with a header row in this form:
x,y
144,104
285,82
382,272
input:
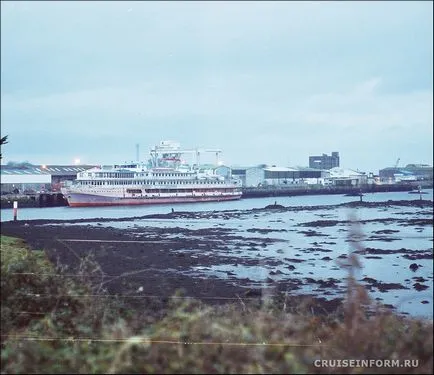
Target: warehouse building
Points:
x,y
62,173
262,175
27,178
411,172
288,176
24,180
420,171
249,176
346,178
310,176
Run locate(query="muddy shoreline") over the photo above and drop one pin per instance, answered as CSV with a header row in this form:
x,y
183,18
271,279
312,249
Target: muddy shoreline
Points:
x,y
144,262
152,269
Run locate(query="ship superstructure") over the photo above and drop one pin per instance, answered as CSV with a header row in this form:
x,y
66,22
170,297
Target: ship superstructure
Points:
x,y
166,178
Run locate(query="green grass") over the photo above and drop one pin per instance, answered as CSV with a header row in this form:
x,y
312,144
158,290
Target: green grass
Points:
x,y
94,336
15,253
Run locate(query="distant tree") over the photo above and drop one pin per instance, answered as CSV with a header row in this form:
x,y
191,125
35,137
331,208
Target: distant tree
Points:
x,y
3,141
19,164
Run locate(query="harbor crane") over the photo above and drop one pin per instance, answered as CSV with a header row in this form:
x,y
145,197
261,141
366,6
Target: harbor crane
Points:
x,y
199,151
170,151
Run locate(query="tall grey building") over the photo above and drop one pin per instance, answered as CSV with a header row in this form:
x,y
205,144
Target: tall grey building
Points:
x,y
324,161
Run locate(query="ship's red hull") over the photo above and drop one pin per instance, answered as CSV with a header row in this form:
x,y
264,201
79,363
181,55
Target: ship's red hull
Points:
x,y
84,200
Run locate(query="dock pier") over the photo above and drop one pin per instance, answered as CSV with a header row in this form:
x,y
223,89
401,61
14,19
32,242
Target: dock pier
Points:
x,y
43,199
56,199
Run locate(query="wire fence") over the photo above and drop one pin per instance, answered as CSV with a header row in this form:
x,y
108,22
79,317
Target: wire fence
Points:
x,y
265,292
146,340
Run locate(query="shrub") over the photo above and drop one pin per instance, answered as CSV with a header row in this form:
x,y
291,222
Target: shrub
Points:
x,y
69,332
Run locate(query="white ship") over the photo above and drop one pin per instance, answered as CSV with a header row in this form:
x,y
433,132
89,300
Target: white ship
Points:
x,y
165,179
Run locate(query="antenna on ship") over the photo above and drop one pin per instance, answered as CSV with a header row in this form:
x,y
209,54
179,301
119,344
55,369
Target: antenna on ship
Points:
x,y
137,152
197,157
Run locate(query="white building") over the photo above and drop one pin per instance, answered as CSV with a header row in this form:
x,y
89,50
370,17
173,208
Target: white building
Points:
x,y
249,176
274,176
346,177
277,176
255,177
31,178
22,179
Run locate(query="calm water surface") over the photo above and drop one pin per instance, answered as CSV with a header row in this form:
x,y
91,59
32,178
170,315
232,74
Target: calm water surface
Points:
x,y
67,213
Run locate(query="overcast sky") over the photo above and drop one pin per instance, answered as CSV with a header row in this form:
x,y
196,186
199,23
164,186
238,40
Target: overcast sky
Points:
x,y
266,82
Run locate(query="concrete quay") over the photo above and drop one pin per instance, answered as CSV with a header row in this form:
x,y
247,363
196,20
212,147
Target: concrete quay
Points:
x,y
56,199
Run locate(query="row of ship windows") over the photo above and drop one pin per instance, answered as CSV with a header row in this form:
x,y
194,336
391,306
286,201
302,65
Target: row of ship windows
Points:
x,y
169,175
131,175
131,182
155,191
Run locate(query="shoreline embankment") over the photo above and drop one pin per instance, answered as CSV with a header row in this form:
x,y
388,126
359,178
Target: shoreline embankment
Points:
x,y
55,199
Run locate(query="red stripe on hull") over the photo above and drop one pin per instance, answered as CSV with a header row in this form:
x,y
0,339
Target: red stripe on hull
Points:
x,y
154,201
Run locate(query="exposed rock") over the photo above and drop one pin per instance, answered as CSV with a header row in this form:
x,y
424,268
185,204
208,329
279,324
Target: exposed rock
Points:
x,y
419,286
413,267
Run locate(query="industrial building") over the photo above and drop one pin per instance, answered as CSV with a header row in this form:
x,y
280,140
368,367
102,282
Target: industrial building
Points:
x,y
24,179
261,176
309,176
241,173
29,178
288,176
324,161
411,172
346,178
